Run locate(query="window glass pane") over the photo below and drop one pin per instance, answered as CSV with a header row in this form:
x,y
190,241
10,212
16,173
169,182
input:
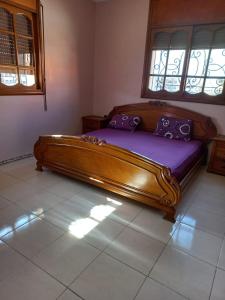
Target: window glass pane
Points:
x,y
6,20
23,25
25,52
175,62
8,76
158,64
27,77
7,49
194,85
172,84
156,83
217,63
214,86
198,62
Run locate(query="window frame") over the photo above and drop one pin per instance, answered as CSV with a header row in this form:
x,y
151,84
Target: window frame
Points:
x,y
38,50
181,95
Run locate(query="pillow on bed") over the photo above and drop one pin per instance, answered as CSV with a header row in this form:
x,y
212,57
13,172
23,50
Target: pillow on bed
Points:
x,y
172,128
123,121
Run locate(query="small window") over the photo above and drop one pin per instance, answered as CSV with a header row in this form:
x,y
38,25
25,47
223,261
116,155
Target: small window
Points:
x,y
20,52
186,63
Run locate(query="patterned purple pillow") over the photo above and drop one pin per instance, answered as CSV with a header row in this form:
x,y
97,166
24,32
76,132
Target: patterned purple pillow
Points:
x,y
123,121
173,128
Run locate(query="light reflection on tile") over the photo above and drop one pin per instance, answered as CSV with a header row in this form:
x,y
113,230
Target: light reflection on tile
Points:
x,y
100,212
32,237
11,217
151,223
198,243
82,227
203,219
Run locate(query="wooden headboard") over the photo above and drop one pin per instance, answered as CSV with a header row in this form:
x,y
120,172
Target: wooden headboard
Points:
x,y
150,112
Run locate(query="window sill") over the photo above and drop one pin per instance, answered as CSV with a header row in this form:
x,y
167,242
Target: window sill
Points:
x,y
203,98
21,93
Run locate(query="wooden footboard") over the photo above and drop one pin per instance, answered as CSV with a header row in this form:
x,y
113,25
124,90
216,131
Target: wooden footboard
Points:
x,y
112,168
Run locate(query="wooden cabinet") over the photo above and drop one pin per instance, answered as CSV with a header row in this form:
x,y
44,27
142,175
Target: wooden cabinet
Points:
x,y
217,158
91,123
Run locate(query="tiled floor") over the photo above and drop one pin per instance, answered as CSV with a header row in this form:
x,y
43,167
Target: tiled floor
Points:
x,y
61,239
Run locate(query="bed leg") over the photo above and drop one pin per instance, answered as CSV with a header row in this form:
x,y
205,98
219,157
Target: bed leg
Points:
x,y
170,215
39,166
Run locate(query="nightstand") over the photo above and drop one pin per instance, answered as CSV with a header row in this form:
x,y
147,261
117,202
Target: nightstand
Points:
x,y
91,123
217,157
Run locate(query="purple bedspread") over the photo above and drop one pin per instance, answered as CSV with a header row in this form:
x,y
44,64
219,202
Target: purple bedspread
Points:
x,y
179,156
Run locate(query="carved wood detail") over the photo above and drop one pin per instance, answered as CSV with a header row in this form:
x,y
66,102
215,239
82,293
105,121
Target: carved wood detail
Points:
x,y
93,140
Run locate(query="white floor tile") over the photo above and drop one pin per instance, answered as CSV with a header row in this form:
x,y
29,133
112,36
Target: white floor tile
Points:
x,y
7,181
68,295
218,291
12,217
71,210
104,233
213,199
67,188
197,243
136,249
152,290
39,202
10,261
151,223
56,218
66,258
126,212
3,203
23,172
30,283
44,180
221,263
107,278
18,191
184,274
203,219
32,237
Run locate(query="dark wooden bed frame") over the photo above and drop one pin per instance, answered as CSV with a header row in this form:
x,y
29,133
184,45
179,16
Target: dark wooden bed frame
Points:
x,y
121,171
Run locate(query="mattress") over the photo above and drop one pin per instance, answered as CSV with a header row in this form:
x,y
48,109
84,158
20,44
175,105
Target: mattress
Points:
x,y
178,156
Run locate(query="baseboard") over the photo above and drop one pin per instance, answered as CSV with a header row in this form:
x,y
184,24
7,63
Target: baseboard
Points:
x,y
10,160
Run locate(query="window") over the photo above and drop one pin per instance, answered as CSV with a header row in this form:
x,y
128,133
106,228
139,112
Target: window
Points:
x,y
20,51
185,53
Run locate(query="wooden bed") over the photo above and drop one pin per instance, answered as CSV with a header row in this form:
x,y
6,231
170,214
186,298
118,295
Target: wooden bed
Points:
x,y
118,170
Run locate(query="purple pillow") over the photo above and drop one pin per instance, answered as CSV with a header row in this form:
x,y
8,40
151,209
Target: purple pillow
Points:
x,y
173,128
123,121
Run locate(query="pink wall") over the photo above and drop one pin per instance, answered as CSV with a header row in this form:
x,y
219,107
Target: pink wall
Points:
x,y
69,72
106,41
120,36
